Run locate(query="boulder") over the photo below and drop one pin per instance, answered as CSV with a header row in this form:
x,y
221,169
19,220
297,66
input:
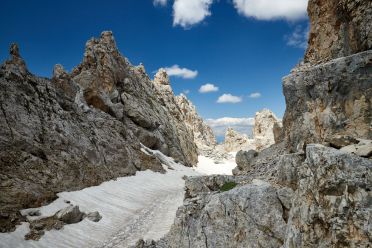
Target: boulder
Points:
x,y
244,158
70,215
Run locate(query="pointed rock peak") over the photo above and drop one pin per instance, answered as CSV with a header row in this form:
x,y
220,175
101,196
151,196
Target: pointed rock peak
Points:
x,y
58,71
14,50
161,77
16,64
108,39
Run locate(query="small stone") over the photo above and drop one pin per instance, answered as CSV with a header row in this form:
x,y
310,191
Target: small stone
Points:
x,y
94,216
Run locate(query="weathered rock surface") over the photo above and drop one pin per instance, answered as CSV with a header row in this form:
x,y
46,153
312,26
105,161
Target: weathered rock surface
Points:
x,y
363,148
246,216
265,134
243,159
80,129
327,100
235,141
203,134
318,196
332,205
339,28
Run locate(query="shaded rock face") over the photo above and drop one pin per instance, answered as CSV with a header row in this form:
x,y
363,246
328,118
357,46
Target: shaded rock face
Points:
x,y
329,99
339,28
267,129
79,129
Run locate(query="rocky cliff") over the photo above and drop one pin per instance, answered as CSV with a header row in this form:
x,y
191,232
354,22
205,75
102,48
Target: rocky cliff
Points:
x,y
82,128
339,28
334,96
203,134
297,194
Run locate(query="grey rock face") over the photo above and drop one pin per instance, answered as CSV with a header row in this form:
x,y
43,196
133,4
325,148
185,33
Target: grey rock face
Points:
x,y
244,158
80,129
332,206
246,216
329,99
363,148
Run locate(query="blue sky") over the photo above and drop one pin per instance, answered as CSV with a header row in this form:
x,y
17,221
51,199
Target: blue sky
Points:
x,y
236,45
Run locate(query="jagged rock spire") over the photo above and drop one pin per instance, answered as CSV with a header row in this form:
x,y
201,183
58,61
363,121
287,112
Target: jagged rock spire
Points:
x,y
162,77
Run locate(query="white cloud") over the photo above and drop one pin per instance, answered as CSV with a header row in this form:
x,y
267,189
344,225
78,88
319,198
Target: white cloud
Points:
x,y
176,71
160,2
228,98
299,37
208,88
255,95
272,9
186,92
190,12
242,125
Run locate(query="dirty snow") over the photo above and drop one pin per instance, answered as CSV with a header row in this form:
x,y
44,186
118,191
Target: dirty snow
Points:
x,y
140,206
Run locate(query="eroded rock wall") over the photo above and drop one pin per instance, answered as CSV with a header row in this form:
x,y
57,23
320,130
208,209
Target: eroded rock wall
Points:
x,y
329,99
338,28
80,129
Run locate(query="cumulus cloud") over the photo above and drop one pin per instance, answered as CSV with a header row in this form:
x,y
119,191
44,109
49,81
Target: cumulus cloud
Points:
x,y
255,95
299,37
228,98
160,2
272,9
186,92
242,125
176,71
190,12
206,88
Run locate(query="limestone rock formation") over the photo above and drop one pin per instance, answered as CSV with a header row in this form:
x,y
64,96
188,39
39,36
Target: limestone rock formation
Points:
x,y
332,97
203,134
235,141
80,129
329,99
264,132
331,207
322,201
319,196
339,28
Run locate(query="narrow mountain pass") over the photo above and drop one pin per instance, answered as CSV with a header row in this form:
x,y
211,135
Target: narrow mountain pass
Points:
x,y
141,206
